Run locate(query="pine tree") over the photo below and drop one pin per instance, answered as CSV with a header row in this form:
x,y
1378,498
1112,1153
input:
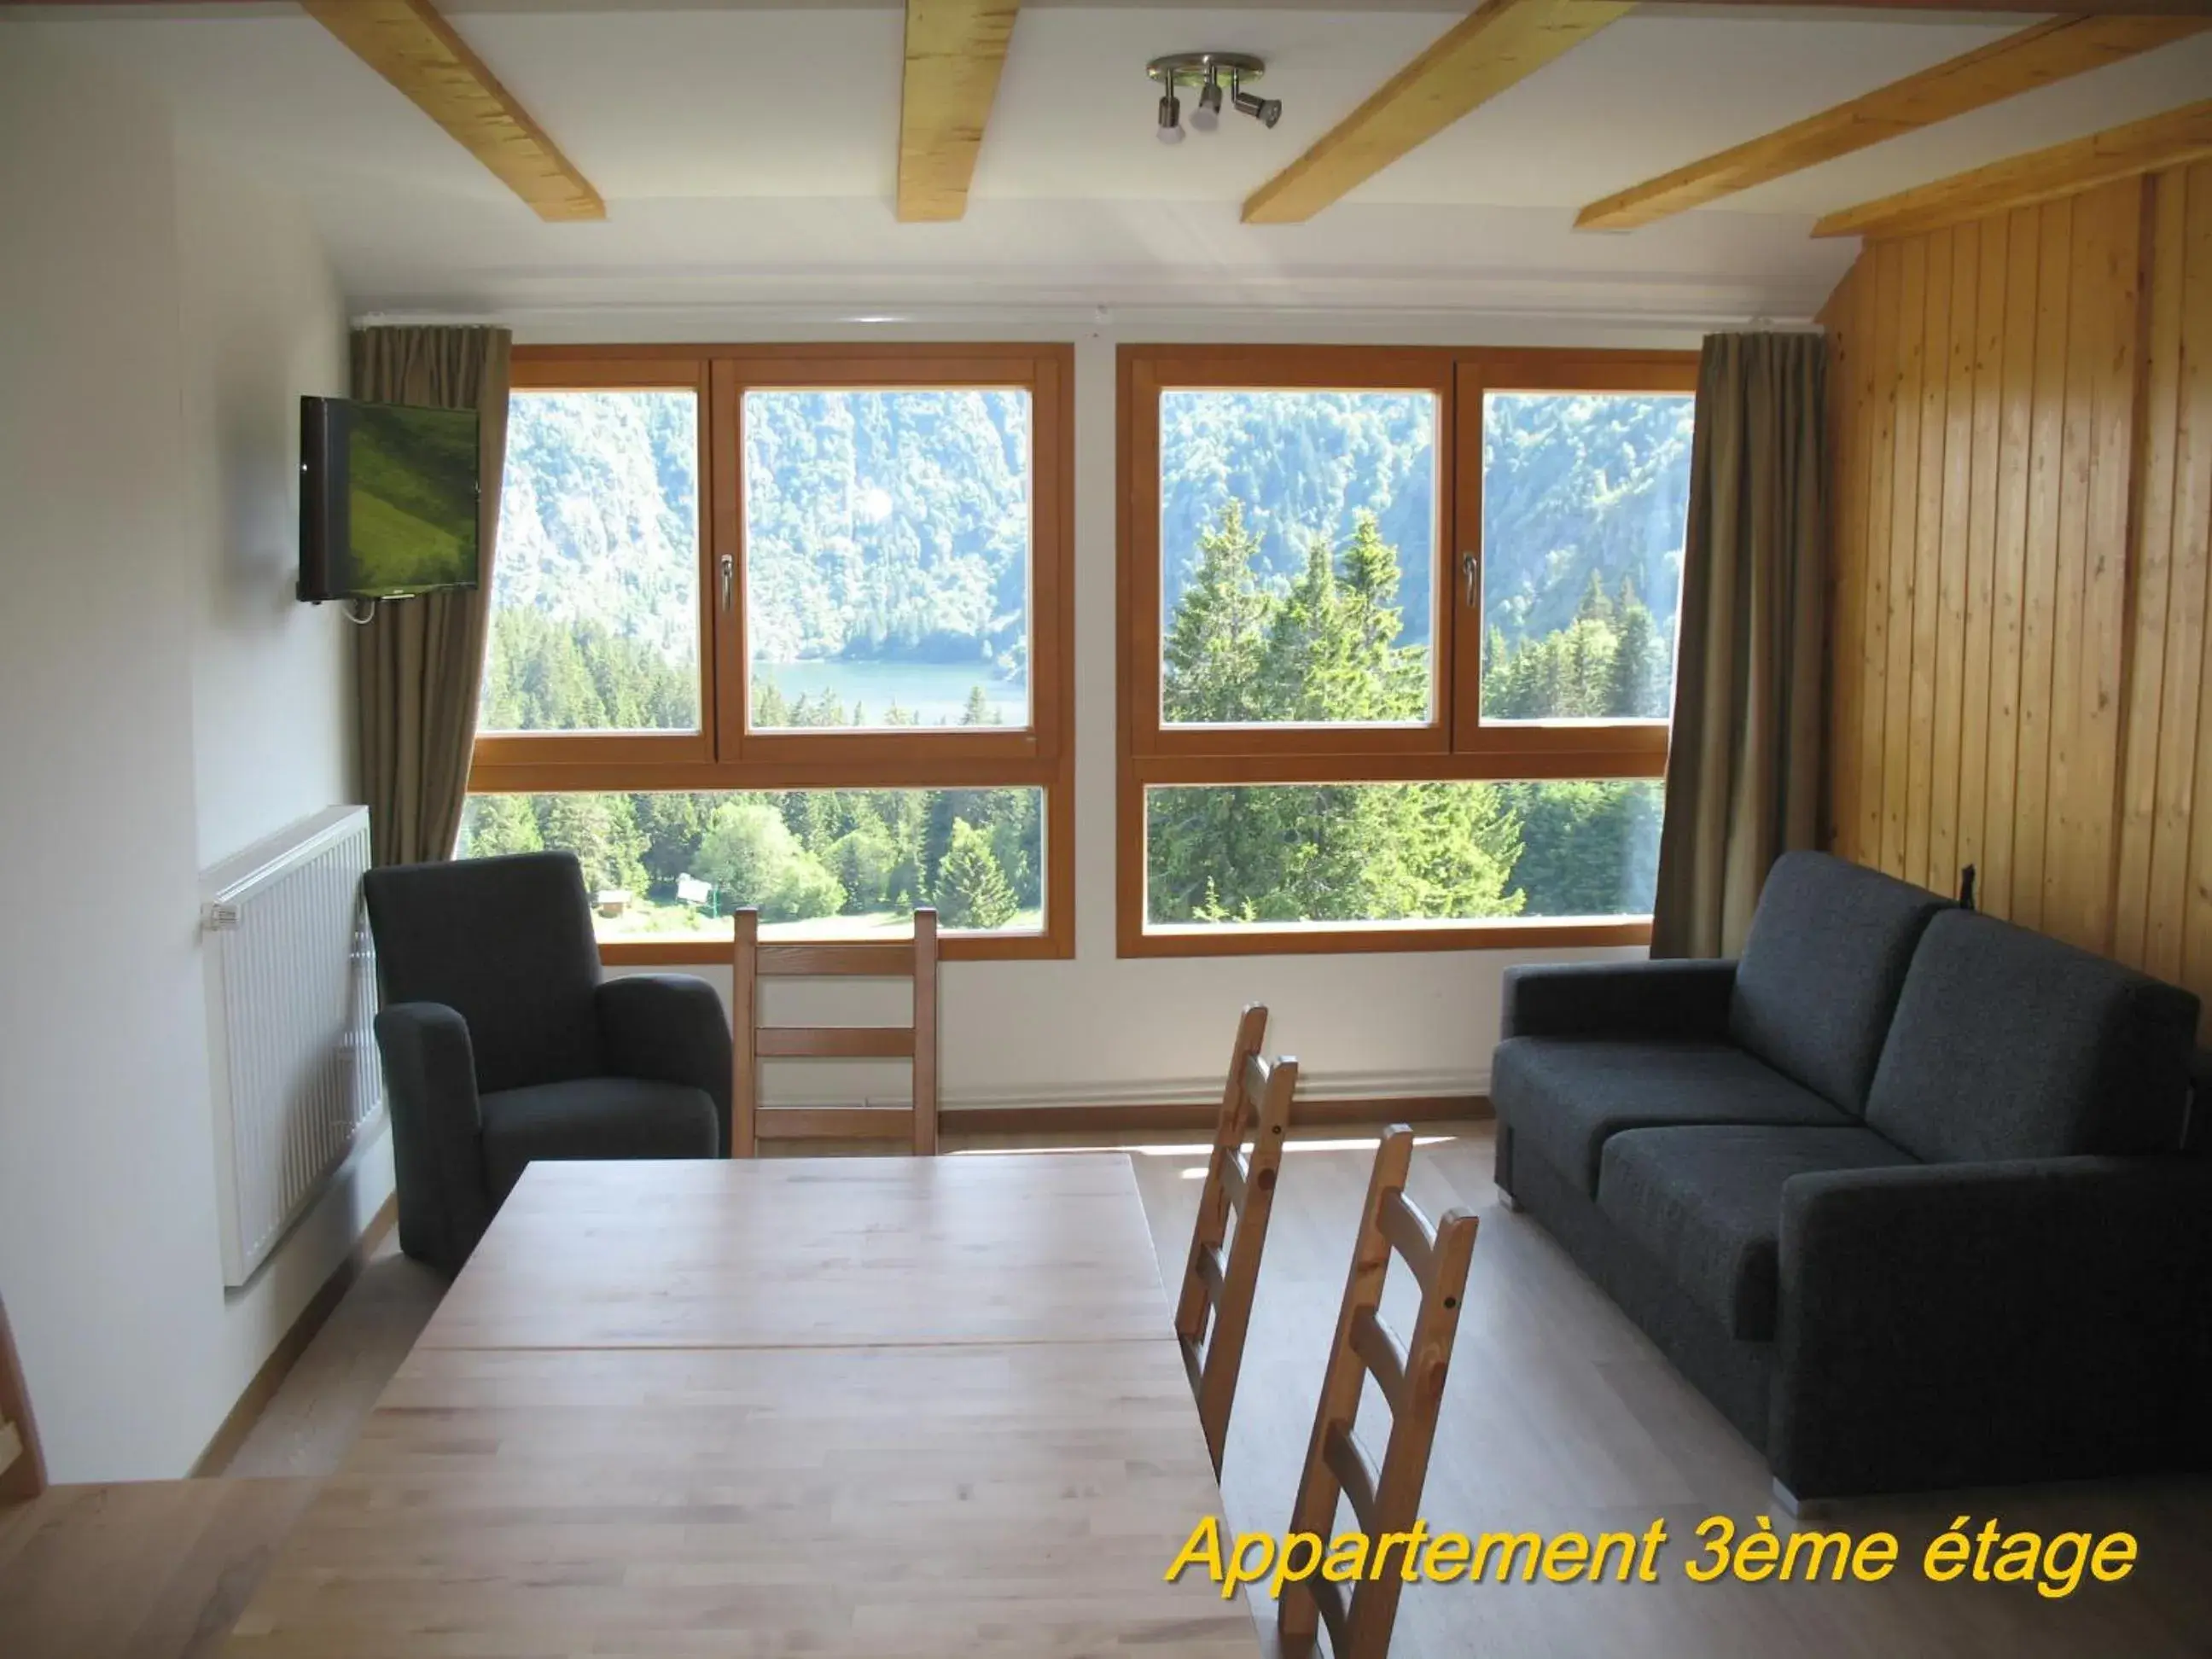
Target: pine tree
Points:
x,y
1596,605
1384,681
972,890
1634,688
495,825
602,834
671,824
1212,659
1295,670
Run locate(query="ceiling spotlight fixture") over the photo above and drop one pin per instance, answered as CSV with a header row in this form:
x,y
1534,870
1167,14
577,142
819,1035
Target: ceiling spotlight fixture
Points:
x,y
1206,70
1266,111
1207,116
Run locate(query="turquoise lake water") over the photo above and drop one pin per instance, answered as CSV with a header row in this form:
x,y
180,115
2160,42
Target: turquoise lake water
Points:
x,y
936,692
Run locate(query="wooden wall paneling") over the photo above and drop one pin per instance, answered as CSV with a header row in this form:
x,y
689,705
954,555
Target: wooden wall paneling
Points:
x,y
1883,371
2023,567
1951,562
1927,563
2022,573
1975,669
2015,429
1854,803
2111,570
2192,895
2038,623
1850,396
1904,502
2157,595
2067,835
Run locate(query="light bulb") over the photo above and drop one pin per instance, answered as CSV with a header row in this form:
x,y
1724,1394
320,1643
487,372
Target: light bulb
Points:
x,y
1207,116
1170,128
1266,111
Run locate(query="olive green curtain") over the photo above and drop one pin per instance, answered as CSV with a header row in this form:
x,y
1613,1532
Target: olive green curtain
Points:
x,y
1743,772
420,661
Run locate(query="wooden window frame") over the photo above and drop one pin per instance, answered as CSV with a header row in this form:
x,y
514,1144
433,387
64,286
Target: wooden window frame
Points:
x,y
725,754
1454,745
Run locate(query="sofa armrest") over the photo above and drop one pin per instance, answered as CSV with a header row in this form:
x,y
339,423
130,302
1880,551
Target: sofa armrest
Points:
x,y
669,1028
437,1131
1964,1324
1668,998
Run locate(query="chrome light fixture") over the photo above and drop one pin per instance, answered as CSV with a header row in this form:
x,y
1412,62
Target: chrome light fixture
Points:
x,y
1207,116
1207,70
1266,111
1170,127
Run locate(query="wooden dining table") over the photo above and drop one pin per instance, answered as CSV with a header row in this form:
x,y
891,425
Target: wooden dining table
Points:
x,y
904,1408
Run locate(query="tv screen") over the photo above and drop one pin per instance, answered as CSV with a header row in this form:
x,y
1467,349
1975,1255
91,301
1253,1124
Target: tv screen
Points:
x,y
387,499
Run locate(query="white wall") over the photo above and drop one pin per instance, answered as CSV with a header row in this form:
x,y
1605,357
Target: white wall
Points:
x,y
157,707
1099,1028
264,323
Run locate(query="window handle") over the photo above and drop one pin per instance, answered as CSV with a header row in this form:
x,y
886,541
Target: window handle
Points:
x,y
1470,571
729,566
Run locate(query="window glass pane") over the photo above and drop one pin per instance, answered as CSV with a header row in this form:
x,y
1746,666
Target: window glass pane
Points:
x,y
1409,852
1585,497
820,864
595,590
1298,547
887,557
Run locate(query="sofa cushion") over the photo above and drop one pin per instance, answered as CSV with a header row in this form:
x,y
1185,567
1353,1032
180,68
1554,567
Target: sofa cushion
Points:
x,y
1706,1204
2009,1045
593,1117
1821,969
1562,1097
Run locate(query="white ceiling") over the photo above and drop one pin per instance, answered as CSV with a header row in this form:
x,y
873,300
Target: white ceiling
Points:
x,y
747,156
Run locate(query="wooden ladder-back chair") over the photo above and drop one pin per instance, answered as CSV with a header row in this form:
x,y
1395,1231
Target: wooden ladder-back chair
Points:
x,y
750,1122
1412,1379
22,1469
1255,1106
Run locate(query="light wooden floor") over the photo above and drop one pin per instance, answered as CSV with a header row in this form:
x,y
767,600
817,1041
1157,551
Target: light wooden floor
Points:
x,y
1560,1416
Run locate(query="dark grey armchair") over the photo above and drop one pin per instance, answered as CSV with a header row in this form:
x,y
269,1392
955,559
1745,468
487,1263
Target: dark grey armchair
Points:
x,y
502,1042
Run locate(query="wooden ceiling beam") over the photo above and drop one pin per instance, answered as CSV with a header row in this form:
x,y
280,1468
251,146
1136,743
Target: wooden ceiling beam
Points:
x,y
954,51
410,45
2036,57
2179,136
1499,44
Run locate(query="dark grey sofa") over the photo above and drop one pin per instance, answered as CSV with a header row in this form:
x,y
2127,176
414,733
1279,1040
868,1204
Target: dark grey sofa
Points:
x,y
502,1044
1902,1191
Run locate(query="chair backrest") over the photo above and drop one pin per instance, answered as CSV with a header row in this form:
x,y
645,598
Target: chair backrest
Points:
x,y
1255,1106
751,961
22,1467
1412,1379
506,942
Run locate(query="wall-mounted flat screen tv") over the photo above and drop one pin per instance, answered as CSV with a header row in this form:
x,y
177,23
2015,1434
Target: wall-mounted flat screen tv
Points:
x,y
388,497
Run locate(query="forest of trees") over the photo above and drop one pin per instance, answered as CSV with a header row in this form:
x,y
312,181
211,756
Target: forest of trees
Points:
x,y
1327,648
1573,485
799,855
1298,535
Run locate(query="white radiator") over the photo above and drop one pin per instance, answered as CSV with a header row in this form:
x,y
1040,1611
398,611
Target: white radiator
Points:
x,y
291,979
